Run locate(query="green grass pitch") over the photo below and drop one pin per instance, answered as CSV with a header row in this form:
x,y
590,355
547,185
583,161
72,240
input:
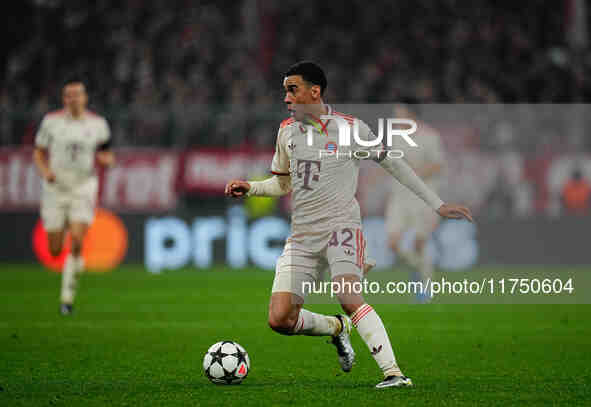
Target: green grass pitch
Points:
x,y
138,339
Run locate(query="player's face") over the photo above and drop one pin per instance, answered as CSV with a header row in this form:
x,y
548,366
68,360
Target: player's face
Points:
x,y
300,96
75,98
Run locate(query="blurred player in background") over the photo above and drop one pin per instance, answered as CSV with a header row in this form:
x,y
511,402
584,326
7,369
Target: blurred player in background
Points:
x,y
326,222
66,146
405,211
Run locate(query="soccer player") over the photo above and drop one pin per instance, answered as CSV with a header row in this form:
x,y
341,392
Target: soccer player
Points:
x,y
405,211
326,222
66,145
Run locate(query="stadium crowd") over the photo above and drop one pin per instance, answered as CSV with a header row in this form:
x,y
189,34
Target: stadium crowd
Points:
x,y
180,74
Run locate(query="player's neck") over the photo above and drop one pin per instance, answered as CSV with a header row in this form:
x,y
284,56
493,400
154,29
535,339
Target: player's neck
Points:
x,y
77,115
317,110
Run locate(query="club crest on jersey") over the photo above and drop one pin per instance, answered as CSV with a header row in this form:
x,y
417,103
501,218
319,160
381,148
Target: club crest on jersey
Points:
x,y
331,146
349,252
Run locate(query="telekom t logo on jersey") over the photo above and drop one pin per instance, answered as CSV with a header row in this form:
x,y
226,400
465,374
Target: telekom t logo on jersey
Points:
x,y
345,131
304,169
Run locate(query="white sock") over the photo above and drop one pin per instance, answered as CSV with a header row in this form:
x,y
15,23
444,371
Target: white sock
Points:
x,y
69,280
79,264
312,324
372,331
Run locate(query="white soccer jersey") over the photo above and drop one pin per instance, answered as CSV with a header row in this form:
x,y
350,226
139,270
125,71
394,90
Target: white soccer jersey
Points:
x,y
72,145
323,185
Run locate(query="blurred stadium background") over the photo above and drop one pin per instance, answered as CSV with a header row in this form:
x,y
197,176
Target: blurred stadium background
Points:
x,y
192,92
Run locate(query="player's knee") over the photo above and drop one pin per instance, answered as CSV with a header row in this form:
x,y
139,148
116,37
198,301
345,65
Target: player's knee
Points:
x,y
393,243
76,246
351,305
55,249
281,323
55,246
420,243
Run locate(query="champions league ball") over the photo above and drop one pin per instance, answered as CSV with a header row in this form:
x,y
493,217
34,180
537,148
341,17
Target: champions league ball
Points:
x,y
226,362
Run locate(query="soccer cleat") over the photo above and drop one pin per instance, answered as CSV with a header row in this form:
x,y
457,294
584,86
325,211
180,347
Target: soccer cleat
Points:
x,y
395,381
342,341
66,309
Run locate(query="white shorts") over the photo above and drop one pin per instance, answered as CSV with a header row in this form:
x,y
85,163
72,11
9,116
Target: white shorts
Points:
x,y
59,206
406,212
343,253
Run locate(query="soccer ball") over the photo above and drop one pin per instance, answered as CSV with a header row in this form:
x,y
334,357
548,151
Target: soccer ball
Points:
x,y
226,362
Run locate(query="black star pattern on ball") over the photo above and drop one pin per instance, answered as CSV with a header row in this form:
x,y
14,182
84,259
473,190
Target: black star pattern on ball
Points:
x,y
229,377
217,356
241,356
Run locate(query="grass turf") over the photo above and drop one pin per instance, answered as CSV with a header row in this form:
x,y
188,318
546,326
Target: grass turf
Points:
x,y
138,339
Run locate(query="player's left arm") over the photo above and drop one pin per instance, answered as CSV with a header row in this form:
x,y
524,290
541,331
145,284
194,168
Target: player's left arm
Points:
x,y
399,169
104,154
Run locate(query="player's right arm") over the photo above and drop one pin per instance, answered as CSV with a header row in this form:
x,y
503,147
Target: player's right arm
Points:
x,y
40,156
278,185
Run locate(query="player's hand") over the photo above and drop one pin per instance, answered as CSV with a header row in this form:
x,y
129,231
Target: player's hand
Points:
x,y
50,177
452,211
237,188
